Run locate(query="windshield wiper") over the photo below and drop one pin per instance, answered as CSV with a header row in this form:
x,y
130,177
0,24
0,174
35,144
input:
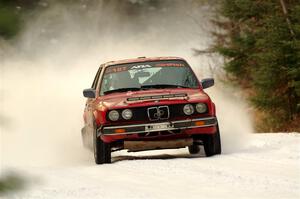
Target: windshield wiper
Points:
x,y
122,90
163,86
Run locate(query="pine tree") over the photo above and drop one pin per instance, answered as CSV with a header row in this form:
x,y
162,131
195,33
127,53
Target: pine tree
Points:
x,y
262,47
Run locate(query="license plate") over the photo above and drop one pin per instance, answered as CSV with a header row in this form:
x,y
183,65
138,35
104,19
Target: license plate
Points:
x,y
158,126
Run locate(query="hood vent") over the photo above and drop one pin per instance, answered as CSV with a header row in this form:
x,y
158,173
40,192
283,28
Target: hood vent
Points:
x,y
157,97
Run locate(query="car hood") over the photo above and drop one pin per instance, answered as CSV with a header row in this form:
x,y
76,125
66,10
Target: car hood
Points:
x,y
152,97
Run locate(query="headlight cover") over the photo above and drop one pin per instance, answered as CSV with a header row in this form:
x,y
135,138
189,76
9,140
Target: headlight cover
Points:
x,y
127,114
188,109
113,115
201,108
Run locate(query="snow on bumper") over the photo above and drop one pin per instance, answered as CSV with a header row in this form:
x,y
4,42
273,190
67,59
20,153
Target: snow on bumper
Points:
x,y
163,126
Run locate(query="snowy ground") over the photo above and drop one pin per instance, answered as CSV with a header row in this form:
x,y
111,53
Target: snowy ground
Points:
x,y
268,167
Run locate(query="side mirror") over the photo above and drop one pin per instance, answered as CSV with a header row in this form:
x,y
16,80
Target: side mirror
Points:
x,y
89,93
207,82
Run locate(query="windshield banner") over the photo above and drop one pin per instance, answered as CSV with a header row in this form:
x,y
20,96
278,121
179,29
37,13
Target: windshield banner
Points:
x,y
143,65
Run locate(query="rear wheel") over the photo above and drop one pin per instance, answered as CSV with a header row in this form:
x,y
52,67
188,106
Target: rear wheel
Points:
x,y
84,138
102,151
212,143
194,149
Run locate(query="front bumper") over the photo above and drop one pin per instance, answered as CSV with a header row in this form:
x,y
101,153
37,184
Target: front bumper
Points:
x,y
162,126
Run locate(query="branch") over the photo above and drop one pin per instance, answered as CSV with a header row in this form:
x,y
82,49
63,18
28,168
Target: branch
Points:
x,y
282,2
201,52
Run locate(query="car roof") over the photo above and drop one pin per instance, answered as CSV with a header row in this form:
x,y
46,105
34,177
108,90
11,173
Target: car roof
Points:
x,y
139,59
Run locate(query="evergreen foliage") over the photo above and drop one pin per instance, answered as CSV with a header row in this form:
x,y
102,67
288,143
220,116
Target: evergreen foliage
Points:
x,y
11,182
262,47
11,13
9,21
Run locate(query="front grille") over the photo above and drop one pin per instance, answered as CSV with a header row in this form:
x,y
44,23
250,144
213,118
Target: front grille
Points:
x,y
175,110
158,113
141,113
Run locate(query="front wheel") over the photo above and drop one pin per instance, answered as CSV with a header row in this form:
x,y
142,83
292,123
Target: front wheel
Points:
x,y
212,143
102,151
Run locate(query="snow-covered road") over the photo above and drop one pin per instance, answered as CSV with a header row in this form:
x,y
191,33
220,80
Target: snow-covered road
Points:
x,y
268,167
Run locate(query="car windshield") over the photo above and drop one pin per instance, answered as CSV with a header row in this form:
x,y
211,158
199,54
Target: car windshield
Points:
x,y
148,75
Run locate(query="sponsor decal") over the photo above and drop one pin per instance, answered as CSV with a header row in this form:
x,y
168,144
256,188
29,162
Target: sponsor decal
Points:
x,y
116,69
169,64
156,97
140,66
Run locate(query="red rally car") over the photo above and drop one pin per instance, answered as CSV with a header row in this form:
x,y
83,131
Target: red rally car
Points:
x,y
147,104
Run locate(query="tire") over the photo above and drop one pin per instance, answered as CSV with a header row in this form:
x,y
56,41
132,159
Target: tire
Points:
x,y
102,151
194,149
212,143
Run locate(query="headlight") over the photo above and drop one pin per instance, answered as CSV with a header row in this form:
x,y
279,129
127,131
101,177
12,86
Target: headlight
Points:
x,y
113,115
188,109
127,114
201,108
